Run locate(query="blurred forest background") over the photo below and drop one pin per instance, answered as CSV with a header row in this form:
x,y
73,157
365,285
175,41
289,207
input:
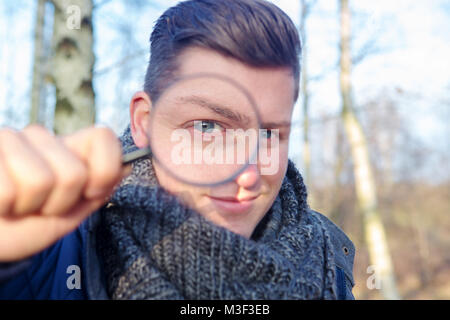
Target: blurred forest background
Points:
x,y
371,130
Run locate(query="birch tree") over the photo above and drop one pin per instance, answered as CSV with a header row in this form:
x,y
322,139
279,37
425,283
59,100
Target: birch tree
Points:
x,y
305,8
364,180
72,65
37,96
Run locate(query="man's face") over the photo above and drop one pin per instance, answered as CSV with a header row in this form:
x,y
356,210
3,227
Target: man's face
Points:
x,y
241,204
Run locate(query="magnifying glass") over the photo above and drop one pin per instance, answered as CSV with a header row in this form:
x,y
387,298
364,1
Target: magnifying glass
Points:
x,y
203,130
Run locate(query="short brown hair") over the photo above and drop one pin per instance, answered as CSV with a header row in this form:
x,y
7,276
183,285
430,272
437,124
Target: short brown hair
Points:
x,y
255,32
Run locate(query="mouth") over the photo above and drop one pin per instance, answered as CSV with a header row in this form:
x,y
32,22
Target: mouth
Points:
x,y
233,205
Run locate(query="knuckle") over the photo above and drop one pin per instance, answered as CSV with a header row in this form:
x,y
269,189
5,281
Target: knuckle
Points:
x,y
104,133
41,183
104,175
7,133
36,130
108,137
7,197
76,177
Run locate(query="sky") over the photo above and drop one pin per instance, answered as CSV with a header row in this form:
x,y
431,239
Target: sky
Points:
x,y
412,64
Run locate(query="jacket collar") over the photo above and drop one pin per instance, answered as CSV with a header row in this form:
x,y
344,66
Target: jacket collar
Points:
x,y
95,284
344,248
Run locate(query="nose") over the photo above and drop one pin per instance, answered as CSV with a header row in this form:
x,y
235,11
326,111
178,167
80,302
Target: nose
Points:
x,y
249,177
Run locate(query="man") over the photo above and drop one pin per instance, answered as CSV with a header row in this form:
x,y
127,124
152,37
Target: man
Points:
x,y
144,243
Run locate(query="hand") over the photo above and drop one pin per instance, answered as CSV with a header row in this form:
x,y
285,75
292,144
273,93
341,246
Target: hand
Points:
x,y
49,185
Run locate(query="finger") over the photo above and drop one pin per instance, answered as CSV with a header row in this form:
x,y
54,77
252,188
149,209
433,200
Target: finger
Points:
x,y
7,190
30,173
70,172
23,237
102,152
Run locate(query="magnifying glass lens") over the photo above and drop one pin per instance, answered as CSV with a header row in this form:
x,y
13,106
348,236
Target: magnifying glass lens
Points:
x,y
203,129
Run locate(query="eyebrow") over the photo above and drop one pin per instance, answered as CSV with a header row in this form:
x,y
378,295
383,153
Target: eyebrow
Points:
x,y
216,108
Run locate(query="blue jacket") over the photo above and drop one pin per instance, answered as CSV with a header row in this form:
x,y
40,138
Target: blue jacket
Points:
x,y
71,270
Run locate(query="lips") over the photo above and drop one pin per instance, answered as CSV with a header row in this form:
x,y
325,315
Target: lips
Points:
x,y
233,205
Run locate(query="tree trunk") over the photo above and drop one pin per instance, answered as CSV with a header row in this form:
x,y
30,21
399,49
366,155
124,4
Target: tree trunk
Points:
x,y
72,65
338,201
306,150
364,180
304,85
37,96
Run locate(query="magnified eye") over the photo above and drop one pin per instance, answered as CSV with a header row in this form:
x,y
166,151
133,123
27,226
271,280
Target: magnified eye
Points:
x,y
268,134
205,126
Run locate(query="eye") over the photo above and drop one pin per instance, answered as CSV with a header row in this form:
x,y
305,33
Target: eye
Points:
x,y
268,134
206,126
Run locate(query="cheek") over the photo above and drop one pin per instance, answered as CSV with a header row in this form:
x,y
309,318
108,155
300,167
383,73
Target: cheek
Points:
x,y
187,194
275,180
284,151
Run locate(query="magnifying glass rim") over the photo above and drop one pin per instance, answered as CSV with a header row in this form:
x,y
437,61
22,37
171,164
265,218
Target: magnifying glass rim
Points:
x,y
253,105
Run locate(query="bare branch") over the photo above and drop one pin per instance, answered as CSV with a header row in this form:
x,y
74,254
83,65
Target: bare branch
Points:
x,y
120,63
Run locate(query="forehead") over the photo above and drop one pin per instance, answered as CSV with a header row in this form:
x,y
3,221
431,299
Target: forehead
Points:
x,y
272,89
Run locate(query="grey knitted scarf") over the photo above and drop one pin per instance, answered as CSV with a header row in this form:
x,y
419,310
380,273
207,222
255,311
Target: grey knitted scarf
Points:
x,y
153,247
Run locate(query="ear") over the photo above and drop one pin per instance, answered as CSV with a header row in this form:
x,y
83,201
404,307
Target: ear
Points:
x,y
140,107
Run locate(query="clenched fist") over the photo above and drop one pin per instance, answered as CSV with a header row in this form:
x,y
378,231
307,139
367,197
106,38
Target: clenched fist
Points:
x,y
49,185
